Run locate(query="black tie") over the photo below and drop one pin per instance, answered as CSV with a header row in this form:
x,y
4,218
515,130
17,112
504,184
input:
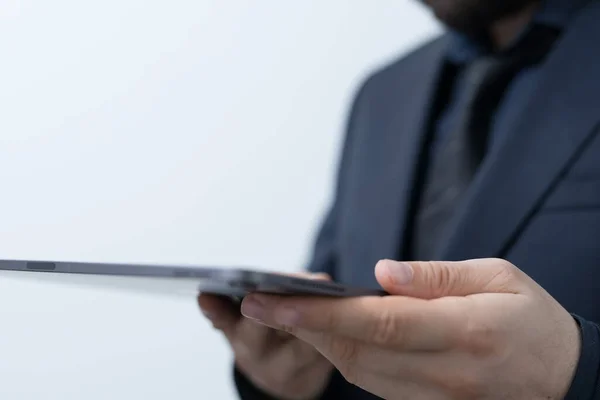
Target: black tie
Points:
x,y
458,155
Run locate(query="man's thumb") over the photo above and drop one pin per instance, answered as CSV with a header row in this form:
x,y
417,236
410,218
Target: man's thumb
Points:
x,y
435,279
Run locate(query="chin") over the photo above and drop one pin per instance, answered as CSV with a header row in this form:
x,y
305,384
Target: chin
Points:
x,y
474,16
445,8
457,14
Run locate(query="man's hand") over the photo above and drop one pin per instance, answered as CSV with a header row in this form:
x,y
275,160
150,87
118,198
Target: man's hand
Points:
x,y
277,363
466,330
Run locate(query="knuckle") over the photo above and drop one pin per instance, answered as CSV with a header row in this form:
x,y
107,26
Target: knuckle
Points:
x,y
444,275
345,351
441,278
386,329
503,276
505,268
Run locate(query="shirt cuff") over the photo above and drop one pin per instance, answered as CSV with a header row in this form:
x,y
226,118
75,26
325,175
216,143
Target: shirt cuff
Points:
x,y
585,385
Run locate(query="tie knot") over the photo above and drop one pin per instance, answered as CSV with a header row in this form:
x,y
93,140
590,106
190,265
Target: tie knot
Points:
x,y
480,70
529,50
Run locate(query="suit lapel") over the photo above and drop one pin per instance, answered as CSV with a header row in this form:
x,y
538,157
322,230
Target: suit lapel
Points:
x,y
550,131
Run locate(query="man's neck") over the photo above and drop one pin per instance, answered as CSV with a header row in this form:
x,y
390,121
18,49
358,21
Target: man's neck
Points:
x,y
505,31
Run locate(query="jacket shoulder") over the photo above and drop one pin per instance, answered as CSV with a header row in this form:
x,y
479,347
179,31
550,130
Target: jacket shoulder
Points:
x,y
407,66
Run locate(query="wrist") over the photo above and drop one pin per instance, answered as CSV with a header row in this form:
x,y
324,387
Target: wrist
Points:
x,y
586,382
568,359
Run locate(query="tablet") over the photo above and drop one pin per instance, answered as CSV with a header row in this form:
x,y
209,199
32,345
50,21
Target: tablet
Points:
x,y
233,282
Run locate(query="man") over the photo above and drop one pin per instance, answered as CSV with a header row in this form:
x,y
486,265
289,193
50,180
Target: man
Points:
x,y
482,143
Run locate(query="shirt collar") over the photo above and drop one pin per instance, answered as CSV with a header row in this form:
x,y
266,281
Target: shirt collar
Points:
x,y
552,13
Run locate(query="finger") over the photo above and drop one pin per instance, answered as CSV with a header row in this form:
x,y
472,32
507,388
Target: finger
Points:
x,y
396,322
248,339
255,340
430,280
310,275
222,312
356,365
225,314
282,335
351,356
355,358
293,352
251,340
288,369
428,372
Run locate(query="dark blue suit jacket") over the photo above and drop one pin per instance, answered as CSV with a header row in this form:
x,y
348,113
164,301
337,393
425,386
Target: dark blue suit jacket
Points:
x,y
535,202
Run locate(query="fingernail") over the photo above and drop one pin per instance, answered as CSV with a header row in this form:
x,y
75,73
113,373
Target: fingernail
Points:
x,y
252,308
400,273
286,316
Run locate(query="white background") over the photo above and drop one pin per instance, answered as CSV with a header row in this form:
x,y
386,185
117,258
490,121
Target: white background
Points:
x,y
179,131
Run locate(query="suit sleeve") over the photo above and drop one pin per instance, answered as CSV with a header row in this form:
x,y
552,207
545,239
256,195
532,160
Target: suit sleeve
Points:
x,y
324,254
586,383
